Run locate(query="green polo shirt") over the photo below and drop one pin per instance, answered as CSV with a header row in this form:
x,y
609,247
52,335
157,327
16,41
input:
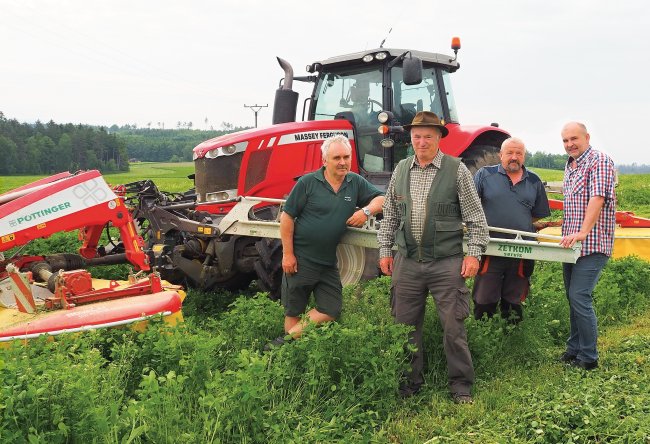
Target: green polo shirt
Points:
x,y
320,214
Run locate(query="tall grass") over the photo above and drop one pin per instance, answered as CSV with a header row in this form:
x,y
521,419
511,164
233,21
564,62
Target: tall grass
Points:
x,y
209,380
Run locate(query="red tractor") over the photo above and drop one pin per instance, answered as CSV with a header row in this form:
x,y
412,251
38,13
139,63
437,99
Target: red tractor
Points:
x,y
366,96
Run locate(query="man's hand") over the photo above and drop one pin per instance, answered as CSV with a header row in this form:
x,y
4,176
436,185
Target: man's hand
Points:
x,y
570,240
289,264
470,267
540,225
357,219
386,265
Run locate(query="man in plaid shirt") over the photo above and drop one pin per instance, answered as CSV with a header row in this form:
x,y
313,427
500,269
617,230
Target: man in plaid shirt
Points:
x,y
428,198
589,217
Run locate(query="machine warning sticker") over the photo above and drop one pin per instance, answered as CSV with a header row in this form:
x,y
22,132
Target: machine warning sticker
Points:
x,y
314,136
7,238
205,230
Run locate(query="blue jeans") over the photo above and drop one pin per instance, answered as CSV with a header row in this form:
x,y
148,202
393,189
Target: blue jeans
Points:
x,y
579,282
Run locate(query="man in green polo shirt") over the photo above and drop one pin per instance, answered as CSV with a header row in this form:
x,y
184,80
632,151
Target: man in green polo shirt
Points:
x,y
320,207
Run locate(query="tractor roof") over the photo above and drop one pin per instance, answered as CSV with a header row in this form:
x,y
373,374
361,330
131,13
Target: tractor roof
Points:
x,y
431,57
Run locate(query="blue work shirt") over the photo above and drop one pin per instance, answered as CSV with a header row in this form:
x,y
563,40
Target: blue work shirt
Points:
x,y
511,206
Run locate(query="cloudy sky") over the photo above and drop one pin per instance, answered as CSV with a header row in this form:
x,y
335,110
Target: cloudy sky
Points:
x,y
528,65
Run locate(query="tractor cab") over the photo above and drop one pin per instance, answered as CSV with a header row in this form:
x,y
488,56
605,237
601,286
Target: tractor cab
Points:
x,y
359,86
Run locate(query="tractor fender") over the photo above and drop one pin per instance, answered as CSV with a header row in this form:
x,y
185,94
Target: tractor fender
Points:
x,y
461,137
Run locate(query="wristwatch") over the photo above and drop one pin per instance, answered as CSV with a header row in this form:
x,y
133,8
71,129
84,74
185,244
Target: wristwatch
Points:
x,y
366,211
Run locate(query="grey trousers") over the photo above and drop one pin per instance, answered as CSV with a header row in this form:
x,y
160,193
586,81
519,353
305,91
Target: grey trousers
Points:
x,y
411,283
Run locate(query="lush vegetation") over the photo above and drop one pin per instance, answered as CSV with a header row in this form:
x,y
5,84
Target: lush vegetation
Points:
x,y
51,148
540,159
165,145
210,381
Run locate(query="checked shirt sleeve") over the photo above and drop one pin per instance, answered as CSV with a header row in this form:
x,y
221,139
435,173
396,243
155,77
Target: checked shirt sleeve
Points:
x,y
472,213
602,178
389,223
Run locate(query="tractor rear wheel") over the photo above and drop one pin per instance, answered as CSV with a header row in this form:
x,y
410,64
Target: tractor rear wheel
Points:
x,y
478,156
355,264
352,262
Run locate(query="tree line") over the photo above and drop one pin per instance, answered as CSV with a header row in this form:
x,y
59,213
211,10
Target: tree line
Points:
x,y
37,148
540,159
165,145
51,148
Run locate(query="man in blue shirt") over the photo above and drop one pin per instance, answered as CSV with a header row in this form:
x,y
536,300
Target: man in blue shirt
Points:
x,y
512,197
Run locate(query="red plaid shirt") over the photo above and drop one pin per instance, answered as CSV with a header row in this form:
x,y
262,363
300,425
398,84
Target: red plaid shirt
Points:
x,y
593,176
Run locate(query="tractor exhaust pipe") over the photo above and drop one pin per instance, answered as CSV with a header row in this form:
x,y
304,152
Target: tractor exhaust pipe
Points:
x,y
286,99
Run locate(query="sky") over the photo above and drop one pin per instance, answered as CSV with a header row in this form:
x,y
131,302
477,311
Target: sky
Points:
x,y
529,65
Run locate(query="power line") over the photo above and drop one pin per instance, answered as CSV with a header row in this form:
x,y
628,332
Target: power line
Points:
x,y
256,109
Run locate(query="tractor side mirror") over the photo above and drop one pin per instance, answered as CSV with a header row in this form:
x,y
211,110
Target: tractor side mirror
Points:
x,y
412,70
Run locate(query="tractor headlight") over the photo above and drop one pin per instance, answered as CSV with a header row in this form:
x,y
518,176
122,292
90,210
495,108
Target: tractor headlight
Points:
x,y
220,196
368,58
381,55
229,149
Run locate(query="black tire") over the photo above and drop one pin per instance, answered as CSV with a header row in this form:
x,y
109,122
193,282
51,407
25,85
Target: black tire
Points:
x,y
269,266
478,156
239,281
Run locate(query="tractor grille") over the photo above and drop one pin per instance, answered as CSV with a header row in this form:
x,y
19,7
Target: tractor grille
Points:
x,y
217,174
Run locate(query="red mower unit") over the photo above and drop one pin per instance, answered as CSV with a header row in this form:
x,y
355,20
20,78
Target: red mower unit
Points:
x,y
54,294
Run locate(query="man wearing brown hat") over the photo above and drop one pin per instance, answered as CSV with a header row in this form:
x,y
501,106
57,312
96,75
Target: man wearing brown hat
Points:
x,y
428,198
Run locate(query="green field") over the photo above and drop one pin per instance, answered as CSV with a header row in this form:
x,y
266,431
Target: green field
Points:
x,y
210,381
633,192
168,176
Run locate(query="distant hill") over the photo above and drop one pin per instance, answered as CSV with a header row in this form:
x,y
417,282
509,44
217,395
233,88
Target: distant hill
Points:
x,y
38,148
164,145
540,159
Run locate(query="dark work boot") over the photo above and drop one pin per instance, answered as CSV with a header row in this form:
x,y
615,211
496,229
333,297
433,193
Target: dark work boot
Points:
x,y
512,313
481,309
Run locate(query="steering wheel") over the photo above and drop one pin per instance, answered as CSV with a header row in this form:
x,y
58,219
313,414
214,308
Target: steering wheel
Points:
x,y
372,103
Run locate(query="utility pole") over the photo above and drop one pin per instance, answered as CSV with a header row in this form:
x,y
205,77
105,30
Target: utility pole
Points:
x,y
256,109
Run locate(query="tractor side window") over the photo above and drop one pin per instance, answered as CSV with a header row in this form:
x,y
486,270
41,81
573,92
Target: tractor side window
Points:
x,y
453,114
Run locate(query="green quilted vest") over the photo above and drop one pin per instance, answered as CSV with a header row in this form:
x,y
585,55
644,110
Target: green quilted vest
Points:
x,y
443,225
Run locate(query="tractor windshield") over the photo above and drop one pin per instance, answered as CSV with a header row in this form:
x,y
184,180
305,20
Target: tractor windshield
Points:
x,y
359,92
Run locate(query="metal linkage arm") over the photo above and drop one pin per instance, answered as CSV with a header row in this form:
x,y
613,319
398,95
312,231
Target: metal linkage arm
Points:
x,y
238,221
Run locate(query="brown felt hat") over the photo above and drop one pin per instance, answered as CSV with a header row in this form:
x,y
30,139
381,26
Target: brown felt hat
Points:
x,y
427,118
